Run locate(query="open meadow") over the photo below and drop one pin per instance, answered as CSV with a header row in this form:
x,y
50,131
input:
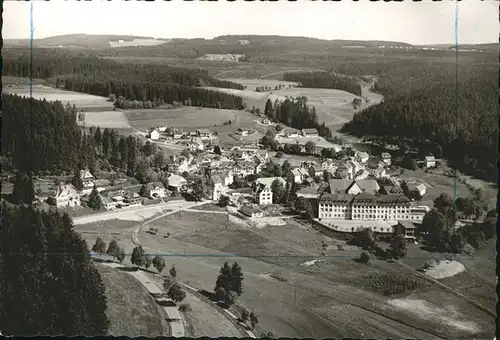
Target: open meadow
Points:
x,y
80,100
190,118
294,295
131,310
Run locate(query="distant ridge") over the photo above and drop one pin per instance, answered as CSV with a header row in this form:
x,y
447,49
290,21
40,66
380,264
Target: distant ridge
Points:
x,y
76,40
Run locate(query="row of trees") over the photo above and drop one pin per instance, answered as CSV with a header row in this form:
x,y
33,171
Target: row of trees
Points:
x,y
49,284
324,80
295,112
148,90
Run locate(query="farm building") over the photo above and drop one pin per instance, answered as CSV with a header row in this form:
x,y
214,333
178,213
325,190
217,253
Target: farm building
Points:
x,y
312,133
155,189
407,229
176,182
65,196
154,134
203,133
362,157
430,161
386,158
253,213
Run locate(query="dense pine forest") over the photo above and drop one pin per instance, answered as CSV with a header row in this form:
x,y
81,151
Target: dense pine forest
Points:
x,y
324,80
427,102
39,135
99,76
49,284
295,112
44,138
154,92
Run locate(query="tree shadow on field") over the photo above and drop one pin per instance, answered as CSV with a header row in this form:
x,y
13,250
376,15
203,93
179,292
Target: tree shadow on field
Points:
x,y
128,269
207,294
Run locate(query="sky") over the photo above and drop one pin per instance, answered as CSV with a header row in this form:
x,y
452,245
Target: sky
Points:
x,y
416,23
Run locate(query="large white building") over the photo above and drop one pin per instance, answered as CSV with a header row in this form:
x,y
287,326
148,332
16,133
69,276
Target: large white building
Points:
x,y
263,194
364,207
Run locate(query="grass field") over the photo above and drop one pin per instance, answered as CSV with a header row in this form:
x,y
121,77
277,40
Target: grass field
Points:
x,y
307,297
334,107
80,100
132,312
203,319
107,119
191,118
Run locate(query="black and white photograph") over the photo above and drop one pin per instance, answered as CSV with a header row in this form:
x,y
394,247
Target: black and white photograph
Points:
x,y
249,169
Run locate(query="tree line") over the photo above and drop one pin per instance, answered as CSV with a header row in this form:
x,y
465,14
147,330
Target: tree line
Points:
x,y
324,80
427,103
295,112
156,92
49,284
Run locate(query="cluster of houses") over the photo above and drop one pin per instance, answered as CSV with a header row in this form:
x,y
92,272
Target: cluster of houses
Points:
x,y
222,57
192,140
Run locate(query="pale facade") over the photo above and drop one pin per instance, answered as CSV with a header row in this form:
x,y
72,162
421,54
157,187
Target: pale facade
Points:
x,y
65,196
364,207
263,194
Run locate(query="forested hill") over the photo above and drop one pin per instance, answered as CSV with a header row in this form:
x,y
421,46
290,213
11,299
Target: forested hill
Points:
x,y
98,76
49,284
50,63
324,80
426,101
39,135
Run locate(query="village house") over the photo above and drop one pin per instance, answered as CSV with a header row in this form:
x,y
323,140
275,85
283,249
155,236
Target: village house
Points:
x,y
311,133
243,169
155,190
265,121
244,131
108,203
269,180
154,134
217,187
429,162
406,229
379,173
386,158
289,132
88,181
131,199
318,170
65,195
299,175
368,185
252,213
196,144
310,192
362,157
345,171
177,135
161,128
175,182
203,133
420,187
361,174
263,194
262,155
